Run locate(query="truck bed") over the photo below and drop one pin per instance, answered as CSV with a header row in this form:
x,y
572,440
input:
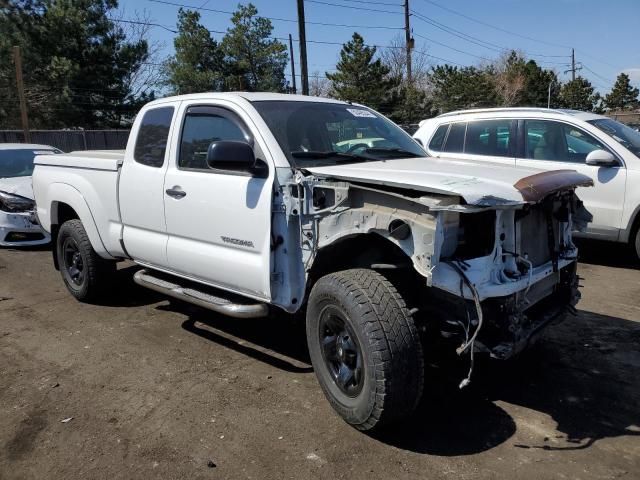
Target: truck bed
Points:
x,y
86,181
93,159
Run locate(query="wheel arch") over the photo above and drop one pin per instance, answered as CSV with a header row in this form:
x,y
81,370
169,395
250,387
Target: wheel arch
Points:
x,y
69,204
362,250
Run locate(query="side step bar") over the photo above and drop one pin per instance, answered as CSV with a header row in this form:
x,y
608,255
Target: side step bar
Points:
x,y
159,283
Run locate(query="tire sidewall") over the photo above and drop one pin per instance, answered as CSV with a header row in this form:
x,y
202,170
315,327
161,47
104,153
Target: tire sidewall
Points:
x,y
355,410
66,231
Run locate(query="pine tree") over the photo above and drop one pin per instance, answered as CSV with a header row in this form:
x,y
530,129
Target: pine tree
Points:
x,y
78,64
198,64
359,78
579,94
622,96
256,62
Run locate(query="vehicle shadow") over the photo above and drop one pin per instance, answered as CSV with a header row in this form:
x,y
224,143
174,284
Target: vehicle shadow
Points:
x,y
279,341
608,254
583,374
124,292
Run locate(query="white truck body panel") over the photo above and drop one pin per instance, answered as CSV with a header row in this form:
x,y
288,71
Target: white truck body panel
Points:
x,y
467,179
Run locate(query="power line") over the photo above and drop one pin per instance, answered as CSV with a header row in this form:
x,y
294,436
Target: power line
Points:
x,y
277,19
500,29
609,81
455,12
475,40
374,3
353,7
450,47
148,24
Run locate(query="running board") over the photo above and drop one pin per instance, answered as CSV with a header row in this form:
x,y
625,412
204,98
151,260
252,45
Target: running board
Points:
x,y
161,283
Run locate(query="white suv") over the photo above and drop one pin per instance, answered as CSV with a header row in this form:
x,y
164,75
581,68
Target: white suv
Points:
x,y
605,150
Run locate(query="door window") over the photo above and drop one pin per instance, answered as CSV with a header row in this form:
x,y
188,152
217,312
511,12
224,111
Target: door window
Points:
x,y
152,137
201,127
438,138
455,139
488,137
556,141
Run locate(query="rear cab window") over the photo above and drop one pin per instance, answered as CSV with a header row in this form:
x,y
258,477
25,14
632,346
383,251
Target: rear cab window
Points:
x,y
153,135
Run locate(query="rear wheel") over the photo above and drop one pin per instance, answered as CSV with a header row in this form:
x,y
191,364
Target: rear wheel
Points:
x,y
83,271
364,347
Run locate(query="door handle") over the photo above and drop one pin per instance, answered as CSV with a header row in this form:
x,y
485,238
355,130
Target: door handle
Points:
x,y
176,192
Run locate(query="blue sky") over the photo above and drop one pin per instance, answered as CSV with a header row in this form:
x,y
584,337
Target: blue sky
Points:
x,y
604,33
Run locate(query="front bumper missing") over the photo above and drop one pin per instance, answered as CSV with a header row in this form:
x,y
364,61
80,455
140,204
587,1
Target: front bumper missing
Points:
x,y
511,325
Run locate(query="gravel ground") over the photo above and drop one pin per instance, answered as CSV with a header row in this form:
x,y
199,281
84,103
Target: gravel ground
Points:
x,y
144,388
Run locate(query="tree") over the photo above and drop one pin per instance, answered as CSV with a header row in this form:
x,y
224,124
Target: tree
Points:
x,y
622,96
522,83
78,64
455,88
359,78
579,94
318,85
256,62
395,58
409,104
198,64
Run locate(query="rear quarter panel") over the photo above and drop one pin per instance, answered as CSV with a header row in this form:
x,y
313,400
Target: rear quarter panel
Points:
x,y
93,196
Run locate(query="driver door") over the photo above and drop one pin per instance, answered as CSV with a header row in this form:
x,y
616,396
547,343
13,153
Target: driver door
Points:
x,y
218,221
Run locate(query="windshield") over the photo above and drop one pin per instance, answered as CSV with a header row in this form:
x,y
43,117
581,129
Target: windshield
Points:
x,y
625,136
19,162
317,133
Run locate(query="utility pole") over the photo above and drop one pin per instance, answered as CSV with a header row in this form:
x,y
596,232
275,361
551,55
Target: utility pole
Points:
x,y
573,68
293,66
303,49
17,60
408,39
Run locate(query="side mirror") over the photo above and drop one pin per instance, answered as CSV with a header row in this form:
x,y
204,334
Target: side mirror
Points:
x,y
231,155
601,158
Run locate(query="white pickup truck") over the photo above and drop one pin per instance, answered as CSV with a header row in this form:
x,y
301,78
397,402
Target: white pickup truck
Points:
x,y
246,203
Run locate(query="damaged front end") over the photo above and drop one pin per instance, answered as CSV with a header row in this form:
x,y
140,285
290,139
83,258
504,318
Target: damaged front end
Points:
x,y
495,271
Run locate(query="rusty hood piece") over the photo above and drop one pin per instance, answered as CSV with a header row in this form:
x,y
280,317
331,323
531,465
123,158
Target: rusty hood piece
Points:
x,y
480,184
535,187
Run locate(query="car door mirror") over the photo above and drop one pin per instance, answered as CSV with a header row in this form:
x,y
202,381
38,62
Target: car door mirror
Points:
x,y
231,155
601,158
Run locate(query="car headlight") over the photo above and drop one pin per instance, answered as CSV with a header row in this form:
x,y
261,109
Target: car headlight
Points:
x,y
10,202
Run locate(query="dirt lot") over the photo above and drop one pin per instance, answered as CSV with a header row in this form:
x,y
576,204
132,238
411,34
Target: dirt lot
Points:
x,y
158,390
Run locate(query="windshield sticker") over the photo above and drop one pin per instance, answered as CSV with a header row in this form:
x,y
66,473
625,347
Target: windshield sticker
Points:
x,y
357,112
42,152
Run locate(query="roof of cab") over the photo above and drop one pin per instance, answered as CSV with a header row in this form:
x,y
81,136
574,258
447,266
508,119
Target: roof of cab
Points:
x,y
249,96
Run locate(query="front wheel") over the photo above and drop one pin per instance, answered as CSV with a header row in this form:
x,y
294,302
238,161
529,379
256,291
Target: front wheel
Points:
x,y
364,348
83,271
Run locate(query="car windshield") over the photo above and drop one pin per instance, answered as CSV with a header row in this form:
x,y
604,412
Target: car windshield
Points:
x,y
625,136
322,133
18,162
